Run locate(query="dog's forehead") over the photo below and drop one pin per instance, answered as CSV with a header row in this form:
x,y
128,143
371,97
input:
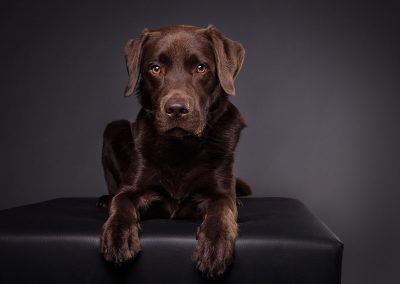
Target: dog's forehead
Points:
x,y
178,43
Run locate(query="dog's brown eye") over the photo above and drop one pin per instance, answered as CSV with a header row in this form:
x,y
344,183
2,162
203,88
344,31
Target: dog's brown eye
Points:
x,y
201,68
155,69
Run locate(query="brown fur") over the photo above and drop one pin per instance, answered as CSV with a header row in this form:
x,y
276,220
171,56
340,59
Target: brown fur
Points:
x,y
176,159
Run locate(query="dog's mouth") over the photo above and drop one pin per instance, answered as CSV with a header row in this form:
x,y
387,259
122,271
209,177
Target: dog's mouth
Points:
x,y
190,126
177,132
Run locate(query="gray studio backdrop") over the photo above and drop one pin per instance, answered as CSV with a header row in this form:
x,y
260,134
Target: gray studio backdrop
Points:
x,y
319,90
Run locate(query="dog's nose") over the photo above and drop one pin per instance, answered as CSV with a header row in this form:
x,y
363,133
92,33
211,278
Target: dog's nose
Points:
x,y
175,108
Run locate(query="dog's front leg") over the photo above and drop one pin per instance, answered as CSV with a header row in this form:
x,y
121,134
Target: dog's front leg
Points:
x,y
119,240
216,236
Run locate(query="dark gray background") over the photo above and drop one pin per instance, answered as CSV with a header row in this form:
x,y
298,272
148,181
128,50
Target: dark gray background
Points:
x,y
319,90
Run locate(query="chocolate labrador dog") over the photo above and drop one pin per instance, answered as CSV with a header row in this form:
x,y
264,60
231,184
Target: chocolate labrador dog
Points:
x,y
176,159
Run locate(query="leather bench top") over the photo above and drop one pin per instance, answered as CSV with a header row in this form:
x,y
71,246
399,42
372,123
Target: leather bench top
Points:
x,y
56,241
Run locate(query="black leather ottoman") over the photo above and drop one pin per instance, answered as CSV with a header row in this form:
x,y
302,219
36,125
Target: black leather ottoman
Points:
x,y
56,241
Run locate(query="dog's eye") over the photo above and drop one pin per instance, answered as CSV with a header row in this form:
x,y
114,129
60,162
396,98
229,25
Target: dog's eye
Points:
x,y
201,68
155,69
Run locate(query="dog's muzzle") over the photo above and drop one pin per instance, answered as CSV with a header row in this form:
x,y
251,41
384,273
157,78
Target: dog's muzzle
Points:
x,y
178,115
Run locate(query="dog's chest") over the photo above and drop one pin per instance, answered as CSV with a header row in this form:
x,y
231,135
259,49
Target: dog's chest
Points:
x,y
172,178
174,165
179,152
175,158
176,181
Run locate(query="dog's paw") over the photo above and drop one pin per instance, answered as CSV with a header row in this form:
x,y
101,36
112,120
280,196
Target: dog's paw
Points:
x,y
213,256
104,201
119,241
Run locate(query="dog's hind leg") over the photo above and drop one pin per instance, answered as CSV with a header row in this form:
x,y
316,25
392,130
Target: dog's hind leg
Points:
x,y
116,156
242,188
104,200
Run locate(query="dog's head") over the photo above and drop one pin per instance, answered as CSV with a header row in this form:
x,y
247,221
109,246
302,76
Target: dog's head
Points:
x,y
180,73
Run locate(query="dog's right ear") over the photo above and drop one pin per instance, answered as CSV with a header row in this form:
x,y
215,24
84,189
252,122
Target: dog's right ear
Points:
x,y
133,53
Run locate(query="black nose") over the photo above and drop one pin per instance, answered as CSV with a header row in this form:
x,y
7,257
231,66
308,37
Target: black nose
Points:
x,y
176,108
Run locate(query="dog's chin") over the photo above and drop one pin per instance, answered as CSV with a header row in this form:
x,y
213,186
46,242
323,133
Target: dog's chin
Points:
x,y
177,132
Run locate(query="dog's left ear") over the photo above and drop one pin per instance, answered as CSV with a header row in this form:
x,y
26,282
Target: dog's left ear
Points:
x,y
133,53
229,56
